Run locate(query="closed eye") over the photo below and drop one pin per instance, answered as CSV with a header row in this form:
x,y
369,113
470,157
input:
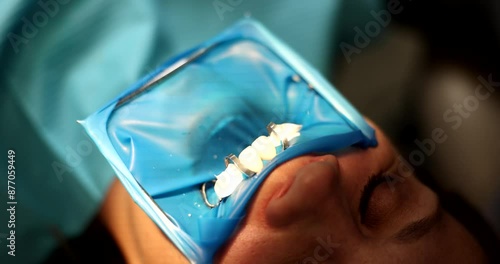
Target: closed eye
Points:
x,y
367,192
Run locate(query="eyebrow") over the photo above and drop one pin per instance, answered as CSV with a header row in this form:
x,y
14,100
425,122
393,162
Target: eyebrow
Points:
x,y
419,228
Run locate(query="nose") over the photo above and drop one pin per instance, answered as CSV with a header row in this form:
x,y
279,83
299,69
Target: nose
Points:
x,y
312,186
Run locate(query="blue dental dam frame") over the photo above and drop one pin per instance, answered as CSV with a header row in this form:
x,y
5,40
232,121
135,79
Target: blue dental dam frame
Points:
x,y
170,132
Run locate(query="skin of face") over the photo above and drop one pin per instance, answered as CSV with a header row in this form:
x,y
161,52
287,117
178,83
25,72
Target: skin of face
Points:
x,y
308,211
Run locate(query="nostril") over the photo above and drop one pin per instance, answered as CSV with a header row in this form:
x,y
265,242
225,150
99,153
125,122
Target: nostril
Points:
x,y
330,159
310,188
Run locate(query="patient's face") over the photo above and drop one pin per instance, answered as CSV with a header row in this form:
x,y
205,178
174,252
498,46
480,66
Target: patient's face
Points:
x,y
316,209
320,209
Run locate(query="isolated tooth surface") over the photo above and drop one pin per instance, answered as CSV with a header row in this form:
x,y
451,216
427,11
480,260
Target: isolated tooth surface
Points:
x,y
288,129
222,185
227,181
275,139
251,159
292,136
234,172
285,131
264,147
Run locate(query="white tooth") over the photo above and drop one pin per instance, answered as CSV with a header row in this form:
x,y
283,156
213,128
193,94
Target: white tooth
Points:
x,y
275,139
285,131
288,129
227,181
251,159
291,127
292,136
222,186
234,172
264,147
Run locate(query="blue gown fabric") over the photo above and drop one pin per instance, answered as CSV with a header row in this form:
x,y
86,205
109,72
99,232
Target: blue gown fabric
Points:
x,y
165,141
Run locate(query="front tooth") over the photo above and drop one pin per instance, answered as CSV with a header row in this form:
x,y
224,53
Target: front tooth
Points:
x,y
264,147
285,131
291,127
223,185
227,181
234,172
292,136
275,139
288,129
251,159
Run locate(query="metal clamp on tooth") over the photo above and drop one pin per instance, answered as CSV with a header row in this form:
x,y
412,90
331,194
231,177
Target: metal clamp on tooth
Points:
x,y
205,198
283,142
251,160
232,158
285,133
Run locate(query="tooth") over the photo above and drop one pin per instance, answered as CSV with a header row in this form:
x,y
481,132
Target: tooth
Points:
x,y
288,130
264,147
234,172
222,185
285,131
227,181
292,136
275,139
251,159
291,127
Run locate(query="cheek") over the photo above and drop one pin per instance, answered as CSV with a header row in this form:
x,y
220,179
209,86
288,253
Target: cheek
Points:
x,y
257,245
290,245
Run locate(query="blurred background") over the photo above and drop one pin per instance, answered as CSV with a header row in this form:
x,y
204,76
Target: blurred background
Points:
x,y
423,74
411,66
